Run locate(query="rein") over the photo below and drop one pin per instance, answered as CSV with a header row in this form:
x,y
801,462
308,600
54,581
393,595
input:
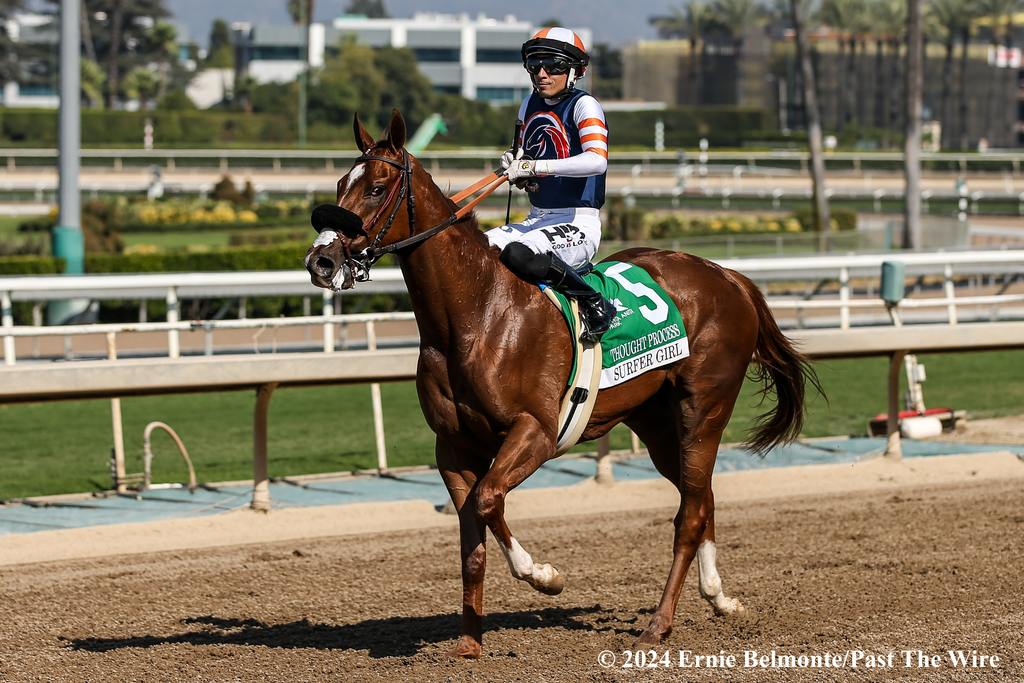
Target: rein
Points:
x,y
361,263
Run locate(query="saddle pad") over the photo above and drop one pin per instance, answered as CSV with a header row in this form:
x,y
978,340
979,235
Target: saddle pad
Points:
x,y
648,331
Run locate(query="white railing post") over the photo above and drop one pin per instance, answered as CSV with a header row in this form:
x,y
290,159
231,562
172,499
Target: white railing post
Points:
x,y
173,346
328,310
8,321
378,410
950,293
116,424
844,298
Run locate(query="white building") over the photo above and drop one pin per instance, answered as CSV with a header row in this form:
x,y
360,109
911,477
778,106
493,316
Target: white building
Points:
x,y
476,57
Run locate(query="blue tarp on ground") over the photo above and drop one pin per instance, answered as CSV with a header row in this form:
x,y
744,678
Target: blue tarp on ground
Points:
x,y
177,503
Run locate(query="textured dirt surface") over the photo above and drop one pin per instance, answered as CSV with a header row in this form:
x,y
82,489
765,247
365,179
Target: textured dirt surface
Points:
x,y
925,568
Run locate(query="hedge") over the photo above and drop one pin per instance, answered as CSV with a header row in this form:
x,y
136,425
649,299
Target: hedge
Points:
x,y
468,125
685,126
30,265
284,256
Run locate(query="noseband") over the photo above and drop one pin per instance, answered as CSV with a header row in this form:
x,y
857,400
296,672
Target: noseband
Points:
x,y
402,190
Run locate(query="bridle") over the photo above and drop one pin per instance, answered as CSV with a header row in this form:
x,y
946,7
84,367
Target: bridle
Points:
x,y
360,264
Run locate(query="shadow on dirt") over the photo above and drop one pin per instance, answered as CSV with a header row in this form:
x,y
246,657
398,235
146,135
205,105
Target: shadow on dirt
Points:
x,y
392,637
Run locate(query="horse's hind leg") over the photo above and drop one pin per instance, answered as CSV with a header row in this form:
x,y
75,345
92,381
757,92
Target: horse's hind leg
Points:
x,y
710,583
690,524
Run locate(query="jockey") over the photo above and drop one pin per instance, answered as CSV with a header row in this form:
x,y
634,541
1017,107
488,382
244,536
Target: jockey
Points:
x,y
562,162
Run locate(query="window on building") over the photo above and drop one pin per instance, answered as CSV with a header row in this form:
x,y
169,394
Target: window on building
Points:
x,y
276,52
436,54
500,56
36,90
448,89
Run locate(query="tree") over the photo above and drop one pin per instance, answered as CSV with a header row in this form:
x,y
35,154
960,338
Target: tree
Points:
x,y
690,22
798,11
996,11
849,19
606,71
221,54
737,17
946,22
118,31
142,84
92,79
912,137
8,48
405,87
551,22
162,44
374,9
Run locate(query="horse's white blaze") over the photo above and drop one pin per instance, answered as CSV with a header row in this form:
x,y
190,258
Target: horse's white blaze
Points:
x,y
326,238
523,567
354,175
711,583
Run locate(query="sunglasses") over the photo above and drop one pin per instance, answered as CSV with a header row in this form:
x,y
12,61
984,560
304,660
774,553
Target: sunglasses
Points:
x,y
554,66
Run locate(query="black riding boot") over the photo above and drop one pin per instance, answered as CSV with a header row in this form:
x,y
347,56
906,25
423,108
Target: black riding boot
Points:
x,y
596,311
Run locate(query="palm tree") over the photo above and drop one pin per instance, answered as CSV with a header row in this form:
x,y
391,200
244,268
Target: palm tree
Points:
x,y
799,10
689,21
890,20
163,42
912,138
996,11
737,17
847,17
301,12
946,20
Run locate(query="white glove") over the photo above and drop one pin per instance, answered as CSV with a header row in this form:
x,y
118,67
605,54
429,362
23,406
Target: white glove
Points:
x,y
522,168
508,157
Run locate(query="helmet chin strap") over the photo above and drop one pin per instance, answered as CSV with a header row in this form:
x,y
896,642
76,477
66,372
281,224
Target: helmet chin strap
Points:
x,y
570,83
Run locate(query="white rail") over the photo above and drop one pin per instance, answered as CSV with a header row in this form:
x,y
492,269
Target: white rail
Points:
x,y
176,286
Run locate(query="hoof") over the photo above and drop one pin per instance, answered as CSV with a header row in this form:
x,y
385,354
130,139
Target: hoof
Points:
x,y
552,585
656,632
650,638
467,648
730,607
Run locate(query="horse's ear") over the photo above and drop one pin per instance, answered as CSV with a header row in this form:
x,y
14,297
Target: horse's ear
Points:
x,y
396,131
364,140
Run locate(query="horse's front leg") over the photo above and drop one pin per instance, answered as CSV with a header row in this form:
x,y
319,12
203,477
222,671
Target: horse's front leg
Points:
x,y
460,474
528,446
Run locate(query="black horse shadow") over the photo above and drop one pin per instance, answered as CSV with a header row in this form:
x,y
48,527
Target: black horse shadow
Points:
x,y
391,637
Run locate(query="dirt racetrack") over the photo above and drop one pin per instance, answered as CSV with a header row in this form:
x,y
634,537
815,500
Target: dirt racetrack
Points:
x,y
929,568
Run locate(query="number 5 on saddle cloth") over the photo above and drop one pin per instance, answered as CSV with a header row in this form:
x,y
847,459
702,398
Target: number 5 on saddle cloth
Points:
x,y
647,332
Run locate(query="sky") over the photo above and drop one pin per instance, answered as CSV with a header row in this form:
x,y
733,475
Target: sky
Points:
x,y
612,21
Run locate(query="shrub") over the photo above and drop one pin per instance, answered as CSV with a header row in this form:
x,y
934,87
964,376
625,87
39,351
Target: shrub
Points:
x,y
842,219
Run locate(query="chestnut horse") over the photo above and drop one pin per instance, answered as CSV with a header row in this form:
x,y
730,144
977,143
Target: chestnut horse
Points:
x,y
495,357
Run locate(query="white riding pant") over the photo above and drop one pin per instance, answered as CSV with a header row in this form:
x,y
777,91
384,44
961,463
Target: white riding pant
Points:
x,y
571,234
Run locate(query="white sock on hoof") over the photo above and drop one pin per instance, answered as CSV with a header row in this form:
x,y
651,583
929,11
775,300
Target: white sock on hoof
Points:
x,y
523,567
711,583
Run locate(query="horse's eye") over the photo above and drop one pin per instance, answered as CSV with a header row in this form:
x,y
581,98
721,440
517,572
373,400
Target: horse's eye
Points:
x,y
377,190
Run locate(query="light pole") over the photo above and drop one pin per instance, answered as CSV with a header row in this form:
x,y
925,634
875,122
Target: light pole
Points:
x,y
67,234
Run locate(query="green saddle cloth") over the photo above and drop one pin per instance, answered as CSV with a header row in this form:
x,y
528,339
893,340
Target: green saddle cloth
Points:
x,y
647,332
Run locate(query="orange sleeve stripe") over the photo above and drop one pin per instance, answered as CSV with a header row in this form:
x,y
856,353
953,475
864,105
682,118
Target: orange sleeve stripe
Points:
x,y
593,122
598,150
594,136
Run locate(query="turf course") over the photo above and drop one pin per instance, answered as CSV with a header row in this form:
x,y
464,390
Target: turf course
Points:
x,y
49,448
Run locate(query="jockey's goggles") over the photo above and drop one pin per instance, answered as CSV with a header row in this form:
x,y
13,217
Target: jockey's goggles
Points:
x,y
554,65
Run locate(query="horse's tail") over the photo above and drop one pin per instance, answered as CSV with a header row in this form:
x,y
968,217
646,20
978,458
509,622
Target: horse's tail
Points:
x,y
782,368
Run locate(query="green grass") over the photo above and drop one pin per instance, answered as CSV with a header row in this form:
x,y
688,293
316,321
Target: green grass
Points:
x,y
63,447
